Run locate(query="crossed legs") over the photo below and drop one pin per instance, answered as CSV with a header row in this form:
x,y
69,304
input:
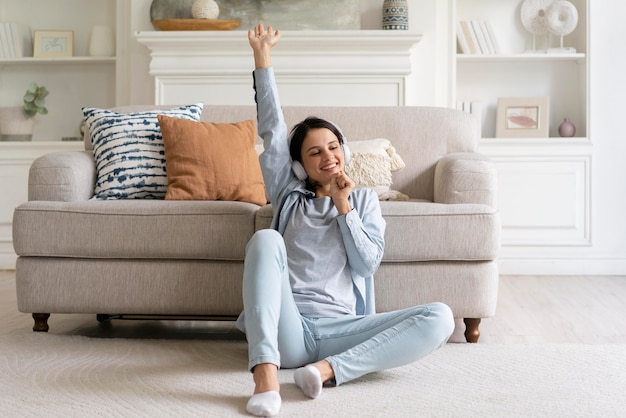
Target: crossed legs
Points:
x,y
341,349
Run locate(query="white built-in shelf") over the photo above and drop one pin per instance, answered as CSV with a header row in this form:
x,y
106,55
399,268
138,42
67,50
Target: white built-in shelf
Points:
x,y
530,57
28,150
59,60
571,141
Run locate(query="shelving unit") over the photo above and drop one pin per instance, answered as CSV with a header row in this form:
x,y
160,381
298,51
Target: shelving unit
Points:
x,y
544,184
515,73
73,82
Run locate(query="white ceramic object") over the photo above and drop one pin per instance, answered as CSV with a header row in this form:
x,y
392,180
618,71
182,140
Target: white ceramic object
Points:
x,y
205,9
102,41
562,18
533,16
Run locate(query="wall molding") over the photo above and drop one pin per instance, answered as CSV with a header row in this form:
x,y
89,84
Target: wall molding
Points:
x,y
339,67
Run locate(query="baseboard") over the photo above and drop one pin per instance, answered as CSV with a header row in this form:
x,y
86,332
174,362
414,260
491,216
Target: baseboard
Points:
x,y
563,267
7,261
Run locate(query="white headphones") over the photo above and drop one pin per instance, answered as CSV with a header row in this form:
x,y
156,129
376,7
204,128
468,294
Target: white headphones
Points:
x,y
299,170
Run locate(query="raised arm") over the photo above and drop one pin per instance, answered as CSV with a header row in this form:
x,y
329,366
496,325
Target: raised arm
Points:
x,y
262,41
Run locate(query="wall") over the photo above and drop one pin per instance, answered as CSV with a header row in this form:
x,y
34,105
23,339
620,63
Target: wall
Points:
x,y
608,66
427,80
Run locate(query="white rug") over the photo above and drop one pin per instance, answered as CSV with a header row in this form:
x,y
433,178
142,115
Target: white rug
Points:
x,y
77,376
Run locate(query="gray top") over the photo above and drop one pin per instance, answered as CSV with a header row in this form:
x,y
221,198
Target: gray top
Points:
x,y
318,264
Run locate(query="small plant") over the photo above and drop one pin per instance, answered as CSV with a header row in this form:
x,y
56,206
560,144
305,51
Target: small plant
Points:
x,y
35,100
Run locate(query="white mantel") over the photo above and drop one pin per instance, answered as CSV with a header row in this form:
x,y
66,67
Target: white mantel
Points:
x,y
363,67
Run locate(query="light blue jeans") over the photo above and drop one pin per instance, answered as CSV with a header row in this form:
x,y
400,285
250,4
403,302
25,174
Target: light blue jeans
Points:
x,y
353,345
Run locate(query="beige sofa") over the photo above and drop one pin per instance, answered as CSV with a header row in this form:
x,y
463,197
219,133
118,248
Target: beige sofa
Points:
x,y
185,258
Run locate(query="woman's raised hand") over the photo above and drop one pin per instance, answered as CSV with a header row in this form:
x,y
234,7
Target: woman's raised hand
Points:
x,y
262,41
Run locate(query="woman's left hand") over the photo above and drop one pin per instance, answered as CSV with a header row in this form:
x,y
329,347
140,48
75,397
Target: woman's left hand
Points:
x,y
340,188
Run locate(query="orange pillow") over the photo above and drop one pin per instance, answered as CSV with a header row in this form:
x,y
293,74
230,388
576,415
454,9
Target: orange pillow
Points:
x,y
211,161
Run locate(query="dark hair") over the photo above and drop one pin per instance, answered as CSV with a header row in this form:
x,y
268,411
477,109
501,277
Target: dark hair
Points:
x,y
300,130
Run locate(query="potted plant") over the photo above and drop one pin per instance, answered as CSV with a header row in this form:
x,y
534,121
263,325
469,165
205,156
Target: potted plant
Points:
x,y
35,100
17,122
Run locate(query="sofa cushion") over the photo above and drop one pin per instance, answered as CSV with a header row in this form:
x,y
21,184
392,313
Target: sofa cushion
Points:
x,y
139,229
212,161
128,148
426,231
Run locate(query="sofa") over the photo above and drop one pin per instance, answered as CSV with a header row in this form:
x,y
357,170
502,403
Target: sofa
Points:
x,y
184,258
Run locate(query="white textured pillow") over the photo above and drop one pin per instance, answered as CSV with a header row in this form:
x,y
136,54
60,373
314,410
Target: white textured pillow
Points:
x,y
371,164
129,151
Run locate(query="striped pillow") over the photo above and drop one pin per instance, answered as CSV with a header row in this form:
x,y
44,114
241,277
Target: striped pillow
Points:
x,y
129,151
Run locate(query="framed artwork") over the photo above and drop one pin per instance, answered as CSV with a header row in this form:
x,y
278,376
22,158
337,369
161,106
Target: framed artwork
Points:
x,y
523,117
53,43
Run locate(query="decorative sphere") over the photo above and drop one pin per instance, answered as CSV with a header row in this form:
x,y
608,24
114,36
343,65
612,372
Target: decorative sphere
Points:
x,y
205,9
533,15
562,17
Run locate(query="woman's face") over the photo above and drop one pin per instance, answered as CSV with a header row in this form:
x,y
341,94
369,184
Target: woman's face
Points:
x,y
322,155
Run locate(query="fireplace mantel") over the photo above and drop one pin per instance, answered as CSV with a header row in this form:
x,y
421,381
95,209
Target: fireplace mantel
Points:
x,y
361,67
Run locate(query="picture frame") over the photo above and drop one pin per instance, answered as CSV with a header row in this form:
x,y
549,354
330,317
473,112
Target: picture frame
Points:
x,y
523,117
53,43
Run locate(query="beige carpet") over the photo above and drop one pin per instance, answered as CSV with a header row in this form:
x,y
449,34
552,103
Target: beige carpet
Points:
x,y
63,375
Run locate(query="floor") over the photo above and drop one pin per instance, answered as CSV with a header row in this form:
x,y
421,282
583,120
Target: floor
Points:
x,y
531,309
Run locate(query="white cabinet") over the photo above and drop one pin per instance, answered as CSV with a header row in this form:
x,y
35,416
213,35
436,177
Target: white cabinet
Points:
x,y
544,183
73,82
15,161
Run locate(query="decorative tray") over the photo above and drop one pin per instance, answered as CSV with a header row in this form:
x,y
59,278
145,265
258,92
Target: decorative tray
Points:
x,y
195,24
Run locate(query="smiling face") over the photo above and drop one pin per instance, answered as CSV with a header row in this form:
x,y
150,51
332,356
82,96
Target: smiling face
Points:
x,y
322,156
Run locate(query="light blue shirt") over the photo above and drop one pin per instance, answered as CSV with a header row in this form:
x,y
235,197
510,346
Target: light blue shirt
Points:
x,y
360,232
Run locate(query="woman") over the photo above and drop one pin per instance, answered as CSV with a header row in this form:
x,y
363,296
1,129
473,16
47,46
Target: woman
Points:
x,y
308,282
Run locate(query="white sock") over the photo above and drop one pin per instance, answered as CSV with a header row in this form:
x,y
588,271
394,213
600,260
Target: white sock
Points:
x,y
308,379
266,404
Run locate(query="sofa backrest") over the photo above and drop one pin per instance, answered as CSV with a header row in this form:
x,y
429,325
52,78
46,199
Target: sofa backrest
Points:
x,y
421,135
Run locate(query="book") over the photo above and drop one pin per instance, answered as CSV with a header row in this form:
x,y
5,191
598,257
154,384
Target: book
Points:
x,y
494,40
461,40
4,41
470,38
22,40
487,36
476,109
478,32
10,43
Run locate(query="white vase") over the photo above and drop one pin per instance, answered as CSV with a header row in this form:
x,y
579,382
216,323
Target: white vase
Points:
x,y
396,15
205,9
102,42
15,125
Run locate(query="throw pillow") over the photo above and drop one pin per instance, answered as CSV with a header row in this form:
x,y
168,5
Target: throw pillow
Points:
x,y
128,149
212,161
371,165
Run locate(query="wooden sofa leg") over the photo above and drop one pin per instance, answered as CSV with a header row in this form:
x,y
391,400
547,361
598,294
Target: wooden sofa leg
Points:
x,y
41,322
471,329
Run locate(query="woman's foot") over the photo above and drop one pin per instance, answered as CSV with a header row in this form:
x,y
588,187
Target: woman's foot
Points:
x,y
266,400
265,404
308,379
311,378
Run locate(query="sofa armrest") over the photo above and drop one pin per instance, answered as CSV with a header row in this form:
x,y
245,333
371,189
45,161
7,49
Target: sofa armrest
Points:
x,y
62,176
466,178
